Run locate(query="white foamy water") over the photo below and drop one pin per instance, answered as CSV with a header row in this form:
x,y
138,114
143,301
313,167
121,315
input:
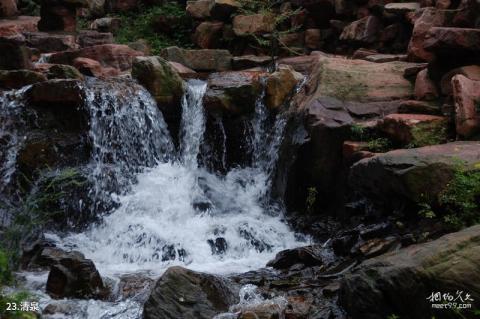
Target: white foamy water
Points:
x,y
178,213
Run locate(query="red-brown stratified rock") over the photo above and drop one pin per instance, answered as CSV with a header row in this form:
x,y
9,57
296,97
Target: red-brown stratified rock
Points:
x,y
466,95
208,34
425,88
115,56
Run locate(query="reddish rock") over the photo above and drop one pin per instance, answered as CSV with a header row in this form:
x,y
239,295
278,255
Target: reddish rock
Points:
x,y
91,67
49,42
181,69
244,25
430,17
292,41
364,30
12,27
15,54
302,63
115,56
312,38
466,95
8,8
199,9
232,93
320,12
59,15
412,71
443,4
353,151
208,34
425,88
419,107
452,40
382,58
470,71
414,129
200,60
91,38
250,61
362,53
401,8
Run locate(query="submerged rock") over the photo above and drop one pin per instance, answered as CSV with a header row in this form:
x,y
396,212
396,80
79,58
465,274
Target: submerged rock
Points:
x,y
401,282
183,293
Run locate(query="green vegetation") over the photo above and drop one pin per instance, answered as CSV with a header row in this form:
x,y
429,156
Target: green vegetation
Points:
x,y
311,199
458,205
428,134
280,25
29,7
39,207
373,142
147,24
461,199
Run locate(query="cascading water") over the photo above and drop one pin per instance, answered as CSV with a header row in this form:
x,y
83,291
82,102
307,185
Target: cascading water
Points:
x,y
12,105
178,212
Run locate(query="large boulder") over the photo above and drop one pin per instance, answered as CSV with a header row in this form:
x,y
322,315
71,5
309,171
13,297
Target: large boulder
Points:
x,y
183,293
92,38
244,25
452,40
73,276
11,27
200,60
407,283
232,93
428,18
117,56
223,9
208,34
56,92
412,175
425,88
49,42
160,79
472,72
466,95
341,94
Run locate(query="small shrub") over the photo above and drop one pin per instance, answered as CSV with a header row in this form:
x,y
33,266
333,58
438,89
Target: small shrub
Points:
x,y
379,144
428,134
461,199
139,25
311,199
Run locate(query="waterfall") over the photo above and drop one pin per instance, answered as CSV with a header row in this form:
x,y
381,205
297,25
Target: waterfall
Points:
x,y
177,212
127,132
12,123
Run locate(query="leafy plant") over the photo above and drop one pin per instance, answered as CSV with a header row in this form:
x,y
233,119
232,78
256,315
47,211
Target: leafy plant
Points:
x,y
428,134
140,25
461,199
311,199
280,25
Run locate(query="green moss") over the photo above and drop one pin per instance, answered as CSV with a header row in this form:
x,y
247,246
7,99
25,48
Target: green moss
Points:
x,y
428,134
139,25
374,142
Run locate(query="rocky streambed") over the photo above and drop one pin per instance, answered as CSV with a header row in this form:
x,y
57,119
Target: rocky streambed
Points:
x,y
307,160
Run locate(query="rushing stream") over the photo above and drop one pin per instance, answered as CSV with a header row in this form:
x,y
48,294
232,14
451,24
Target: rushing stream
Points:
x,y
172,210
